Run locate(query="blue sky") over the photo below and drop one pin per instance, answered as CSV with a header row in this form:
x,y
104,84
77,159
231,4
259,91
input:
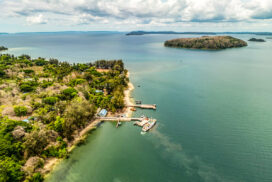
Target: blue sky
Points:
x,y
127,15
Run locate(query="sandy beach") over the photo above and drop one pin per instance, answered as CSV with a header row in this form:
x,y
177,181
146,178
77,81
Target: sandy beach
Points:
x,y
128,99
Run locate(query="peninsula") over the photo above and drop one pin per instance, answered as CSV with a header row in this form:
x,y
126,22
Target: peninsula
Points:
x,y
2,48
47,106
256,40
206,42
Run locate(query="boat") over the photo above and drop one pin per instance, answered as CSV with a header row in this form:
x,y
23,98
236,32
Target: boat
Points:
x,y
149,125
133,109
138,102
142,123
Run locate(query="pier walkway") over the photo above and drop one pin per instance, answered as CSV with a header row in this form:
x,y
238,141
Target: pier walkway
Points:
x,y
145,106
121,119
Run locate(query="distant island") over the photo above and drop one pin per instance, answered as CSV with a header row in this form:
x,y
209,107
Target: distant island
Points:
x,y
168,32
256,40
206,42
2,48
195,33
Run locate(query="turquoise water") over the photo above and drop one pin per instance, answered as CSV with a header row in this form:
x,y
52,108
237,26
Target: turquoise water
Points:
x,y
214,110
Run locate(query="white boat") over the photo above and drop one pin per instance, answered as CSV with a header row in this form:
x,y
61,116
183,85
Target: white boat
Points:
x,y
142,123
149,125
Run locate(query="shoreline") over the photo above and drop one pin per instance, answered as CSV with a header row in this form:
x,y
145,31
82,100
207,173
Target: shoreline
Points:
x,y
51,163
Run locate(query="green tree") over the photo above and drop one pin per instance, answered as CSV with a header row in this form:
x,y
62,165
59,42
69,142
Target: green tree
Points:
x,y
68,93
50,100
76,116
59,124
10,171
37,140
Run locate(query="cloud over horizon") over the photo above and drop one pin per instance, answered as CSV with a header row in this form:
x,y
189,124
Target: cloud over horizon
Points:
x,y
138,13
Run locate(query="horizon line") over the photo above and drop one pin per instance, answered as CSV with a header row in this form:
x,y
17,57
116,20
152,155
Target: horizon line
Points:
x,y
144,31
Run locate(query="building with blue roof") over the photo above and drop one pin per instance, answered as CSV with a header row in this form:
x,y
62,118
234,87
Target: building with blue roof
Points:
x,y
103,113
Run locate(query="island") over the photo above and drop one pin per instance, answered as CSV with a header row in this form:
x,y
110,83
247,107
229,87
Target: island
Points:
x,y
168,32
206,42
140,32
256,40
48,107
2,48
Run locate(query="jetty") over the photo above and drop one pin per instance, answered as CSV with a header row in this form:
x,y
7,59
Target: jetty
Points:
x,y
121,119
144,106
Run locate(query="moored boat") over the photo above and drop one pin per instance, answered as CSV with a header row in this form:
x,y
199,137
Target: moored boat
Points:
x,y
149,125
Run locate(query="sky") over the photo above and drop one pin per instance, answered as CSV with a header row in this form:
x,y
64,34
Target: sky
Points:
x,y
128,15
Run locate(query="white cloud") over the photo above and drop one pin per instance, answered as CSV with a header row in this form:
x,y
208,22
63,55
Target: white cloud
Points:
x,y
141,12
36,19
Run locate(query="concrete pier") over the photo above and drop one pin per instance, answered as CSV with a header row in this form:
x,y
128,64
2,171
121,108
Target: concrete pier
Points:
x,y
121,119
145,106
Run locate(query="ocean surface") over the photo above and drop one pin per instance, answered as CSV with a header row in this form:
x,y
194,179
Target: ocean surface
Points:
x,y
214,109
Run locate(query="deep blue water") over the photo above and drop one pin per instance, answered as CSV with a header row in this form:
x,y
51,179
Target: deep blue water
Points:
x,y
214,109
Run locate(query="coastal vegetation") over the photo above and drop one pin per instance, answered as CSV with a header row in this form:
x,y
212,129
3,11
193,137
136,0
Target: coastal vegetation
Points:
x,y
256,40
2,48
44,106
206,42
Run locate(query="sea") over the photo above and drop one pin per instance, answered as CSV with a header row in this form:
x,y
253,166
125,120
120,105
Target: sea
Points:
x,y
214,109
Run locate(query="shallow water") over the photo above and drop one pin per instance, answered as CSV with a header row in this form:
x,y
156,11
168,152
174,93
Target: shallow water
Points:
x,y
214,109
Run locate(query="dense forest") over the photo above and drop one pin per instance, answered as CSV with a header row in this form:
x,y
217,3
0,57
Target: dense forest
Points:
x,y
44,105
2,48
206,42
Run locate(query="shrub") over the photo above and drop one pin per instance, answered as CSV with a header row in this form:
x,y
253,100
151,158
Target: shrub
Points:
x,y
50,100
75,82
2,73
46,84
28,86
59,124
69,93
51,152
36,177
40,62
20,110
28,71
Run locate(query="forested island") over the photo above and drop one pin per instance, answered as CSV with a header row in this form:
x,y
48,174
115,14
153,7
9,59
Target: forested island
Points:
x,y
206,42
256,40
2,48
168,32
195,33
44,106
